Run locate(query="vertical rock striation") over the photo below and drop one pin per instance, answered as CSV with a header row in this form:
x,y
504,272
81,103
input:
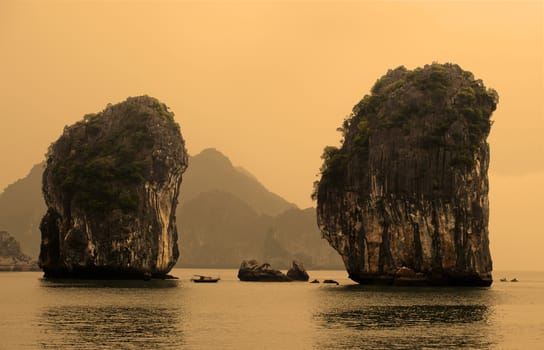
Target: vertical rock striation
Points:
x,y
404,200
111,185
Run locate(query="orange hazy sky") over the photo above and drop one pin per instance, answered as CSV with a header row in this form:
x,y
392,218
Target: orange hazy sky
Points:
x,y
268,82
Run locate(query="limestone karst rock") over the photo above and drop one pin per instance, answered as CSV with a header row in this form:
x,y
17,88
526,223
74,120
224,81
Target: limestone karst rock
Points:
x,y
408,188
253,271
210,237
11,256
297,272
111,185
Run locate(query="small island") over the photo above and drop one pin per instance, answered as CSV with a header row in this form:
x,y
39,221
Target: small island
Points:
x,y
111,186
404,199
253,271
11,256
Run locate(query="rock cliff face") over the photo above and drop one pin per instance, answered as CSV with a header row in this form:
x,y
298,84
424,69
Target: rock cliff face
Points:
x,y
111,185
405,198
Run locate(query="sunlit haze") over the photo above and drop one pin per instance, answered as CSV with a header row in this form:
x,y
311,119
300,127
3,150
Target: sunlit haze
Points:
x,y
268,83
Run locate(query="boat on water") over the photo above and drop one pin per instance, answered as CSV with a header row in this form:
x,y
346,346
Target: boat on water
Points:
x,y
204,279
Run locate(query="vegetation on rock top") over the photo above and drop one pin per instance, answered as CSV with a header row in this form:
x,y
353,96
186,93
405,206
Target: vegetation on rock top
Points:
x,y
98,159
448,105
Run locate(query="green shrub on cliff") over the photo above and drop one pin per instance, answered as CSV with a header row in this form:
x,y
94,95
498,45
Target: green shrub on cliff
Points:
x,y
440,105
105,153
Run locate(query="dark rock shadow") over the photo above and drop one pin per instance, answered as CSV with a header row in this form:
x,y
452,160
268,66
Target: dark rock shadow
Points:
x,y
400,316
378,317
409,327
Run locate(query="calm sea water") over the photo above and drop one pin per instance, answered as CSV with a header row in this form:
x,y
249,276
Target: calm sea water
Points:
x,y
178,314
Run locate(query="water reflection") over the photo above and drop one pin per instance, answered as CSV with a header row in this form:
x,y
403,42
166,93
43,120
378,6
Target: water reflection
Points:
x,y
110,327
75,283
405,316
378,318
110,314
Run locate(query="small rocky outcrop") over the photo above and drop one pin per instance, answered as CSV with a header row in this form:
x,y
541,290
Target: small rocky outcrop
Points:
x,y
331,282
11,256
111,185
253,271
405,197
297,272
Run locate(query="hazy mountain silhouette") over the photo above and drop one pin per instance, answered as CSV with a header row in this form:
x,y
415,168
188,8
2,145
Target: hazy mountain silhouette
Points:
x,y
21,209
219,229
225,215
212,170
296,231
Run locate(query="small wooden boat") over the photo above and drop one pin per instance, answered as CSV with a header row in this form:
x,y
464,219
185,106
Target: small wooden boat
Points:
x,y
514,280
204,279
504,279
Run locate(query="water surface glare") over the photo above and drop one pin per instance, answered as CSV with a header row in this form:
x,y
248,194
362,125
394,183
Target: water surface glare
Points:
x,y
179,314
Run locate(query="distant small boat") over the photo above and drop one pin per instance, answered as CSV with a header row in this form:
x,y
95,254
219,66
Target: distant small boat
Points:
x,y
514,280
204,279
504,279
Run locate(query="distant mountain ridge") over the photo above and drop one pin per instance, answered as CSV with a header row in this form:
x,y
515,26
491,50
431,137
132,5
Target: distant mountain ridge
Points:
x,y
218,229
212,170
11,256
21,209
225,215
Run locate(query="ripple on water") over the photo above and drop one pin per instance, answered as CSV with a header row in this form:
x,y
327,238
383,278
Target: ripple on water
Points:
x,y
406,327
110,327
